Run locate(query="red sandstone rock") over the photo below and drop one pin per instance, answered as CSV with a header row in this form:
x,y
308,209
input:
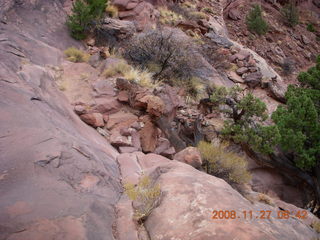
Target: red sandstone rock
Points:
x,y
148,136
93,119
191,156
123,96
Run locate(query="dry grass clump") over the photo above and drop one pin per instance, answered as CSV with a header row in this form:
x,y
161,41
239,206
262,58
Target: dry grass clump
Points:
x,y
224,164
208,10
75,55
122,68
119,68
169,17
142,77
146,196
112,11
198,15
192,86
265,199
316,226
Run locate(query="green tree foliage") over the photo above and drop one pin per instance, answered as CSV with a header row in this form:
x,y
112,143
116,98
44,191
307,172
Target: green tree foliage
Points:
x,y
246,115
84,12
290,14
310,27
299,122
255,21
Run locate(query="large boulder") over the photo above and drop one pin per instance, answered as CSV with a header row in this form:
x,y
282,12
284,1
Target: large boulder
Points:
x,y
93,119
191,156
277,91
117,29
189,198
191,210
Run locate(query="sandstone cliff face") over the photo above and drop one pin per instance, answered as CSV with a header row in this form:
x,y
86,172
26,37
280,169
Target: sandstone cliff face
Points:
x,y
60,179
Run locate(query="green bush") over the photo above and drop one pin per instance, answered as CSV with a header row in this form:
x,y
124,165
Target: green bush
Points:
x,y
222,163
310,27
255,21
246,116
84,12
290,14
299,120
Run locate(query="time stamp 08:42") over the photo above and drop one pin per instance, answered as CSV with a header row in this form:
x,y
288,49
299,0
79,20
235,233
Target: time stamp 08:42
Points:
x,y
261,214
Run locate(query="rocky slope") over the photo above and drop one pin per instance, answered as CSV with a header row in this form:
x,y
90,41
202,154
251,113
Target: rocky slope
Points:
x,y
60,179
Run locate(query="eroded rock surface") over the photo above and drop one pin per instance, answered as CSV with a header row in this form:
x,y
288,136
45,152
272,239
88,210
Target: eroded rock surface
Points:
x,y
58,177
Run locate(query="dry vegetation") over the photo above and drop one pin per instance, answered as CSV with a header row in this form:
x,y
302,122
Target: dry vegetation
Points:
x,y
112,11
141,76
75,55
316,226
265,199
224,164
169,17
146,196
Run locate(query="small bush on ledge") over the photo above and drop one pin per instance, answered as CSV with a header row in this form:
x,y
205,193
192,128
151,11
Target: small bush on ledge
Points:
x,y
224,164
75,55
255,21
146,196
84,13
290,14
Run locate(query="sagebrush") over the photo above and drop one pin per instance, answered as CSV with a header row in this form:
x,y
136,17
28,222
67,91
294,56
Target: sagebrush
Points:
x,y
223,163
146,196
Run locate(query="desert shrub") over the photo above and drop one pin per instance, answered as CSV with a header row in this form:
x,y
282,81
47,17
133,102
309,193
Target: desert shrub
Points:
x,y
290,14
255,21
142,77
175,57
146,195
190,5
84,13
75,55
310,27
122,68
192,86
265,199
169,17
245,115
316,226
287,66
222,163
119,68
208,10
112,11
197,15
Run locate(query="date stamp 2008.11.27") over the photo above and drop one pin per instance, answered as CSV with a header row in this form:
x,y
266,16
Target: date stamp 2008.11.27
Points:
x,y
261,214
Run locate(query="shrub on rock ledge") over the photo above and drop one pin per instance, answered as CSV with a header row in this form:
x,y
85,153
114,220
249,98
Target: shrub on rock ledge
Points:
x,y
246,116
145,196
290,14
75,55
222,163
255,21
171,56
84,13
